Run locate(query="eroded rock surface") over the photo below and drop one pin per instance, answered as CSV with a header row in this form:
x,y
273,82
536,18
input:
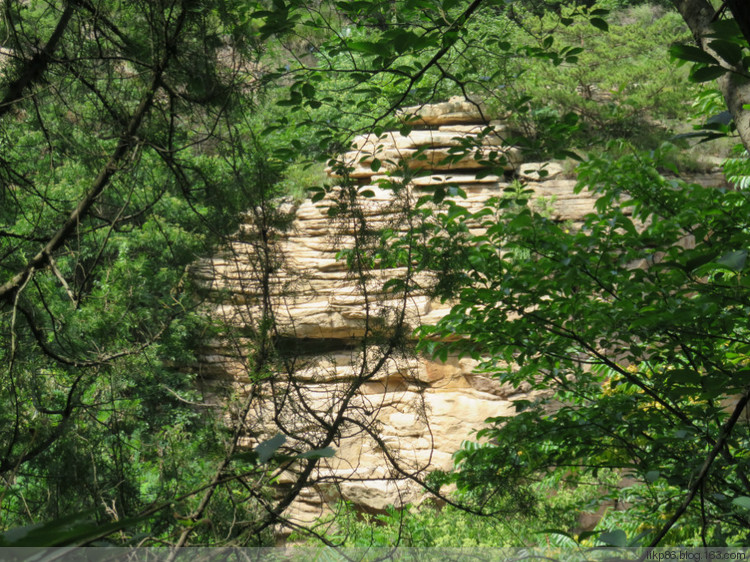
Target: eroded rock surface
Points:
x,y
413,411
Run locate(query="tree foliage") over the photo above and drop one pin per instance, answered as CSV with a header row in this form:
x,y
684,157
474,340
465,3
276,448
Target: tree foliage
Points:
x,y
134,134
132,144
125,157
630,328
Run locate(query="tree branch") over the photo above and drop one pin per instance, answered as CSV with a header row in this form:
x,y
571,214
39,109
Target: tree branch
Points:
x,y
124,146
726,431
34,68
698,15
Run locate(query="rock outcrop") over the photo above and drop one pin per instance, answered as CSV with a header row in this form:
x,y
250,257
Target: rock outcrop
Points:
x,y
410,414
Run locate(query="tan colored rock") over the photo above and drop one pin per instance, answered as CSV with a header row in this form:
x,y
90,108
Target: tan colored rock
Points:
x,y
420,409
415,139
428,149
537,171
497,127
445,136
456,110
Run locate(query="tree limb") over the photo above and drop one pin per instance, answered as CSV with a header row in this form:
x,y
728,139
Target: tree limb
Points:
x,y
726,431
34,68
698,15
124,146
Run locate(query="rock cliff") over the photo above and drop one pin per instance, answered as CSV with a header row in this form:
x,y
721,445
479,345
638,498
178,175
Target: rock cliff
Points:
x,y
407,414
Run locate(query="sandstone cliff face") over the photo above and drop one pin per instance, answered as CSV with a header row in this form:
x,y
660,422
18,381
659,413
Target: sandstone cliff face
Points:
x,y
411,413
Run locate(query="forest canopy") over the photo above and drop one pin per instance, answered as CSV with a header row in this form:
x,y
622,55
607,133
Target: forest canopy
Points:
x,y
136,136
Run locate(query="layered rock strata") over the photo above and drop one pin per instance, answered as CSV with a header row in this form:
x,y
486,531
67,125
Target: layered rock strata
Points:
x,y
411,413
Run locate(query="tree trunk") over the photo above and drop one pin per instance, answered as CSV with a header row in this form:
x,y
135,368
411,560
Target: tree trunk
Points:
x,y
698,15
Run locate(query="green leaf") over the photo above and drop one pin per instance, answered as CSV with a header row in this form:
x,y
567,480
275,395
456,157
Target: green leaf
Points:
x,y
367,47
267,448
520,221
707,73
394,285
616,537
403,40
728,50
587,534
703,135
246,456
557,532
295,98
325,452
652,475
734,260
725,28
599,23
722,118
561,154
684,376
70,530
699,260
742,501
691,54
503,45
375,164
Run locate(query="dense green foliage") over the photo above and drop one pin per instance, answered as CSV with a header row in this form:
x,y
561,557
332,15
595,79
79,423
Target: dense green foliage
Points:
x,y
527,518
565,85
134,134
131,159
632,327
